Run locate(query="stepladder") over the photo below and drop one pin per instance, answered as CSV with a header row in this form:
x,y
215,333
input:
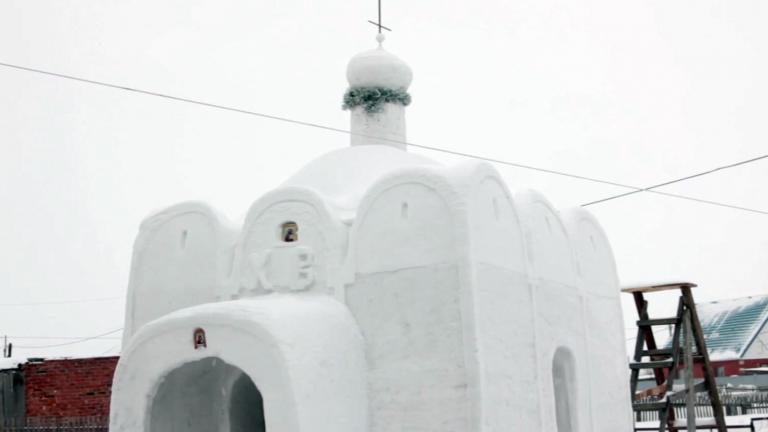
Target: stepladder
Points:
x,y
673,365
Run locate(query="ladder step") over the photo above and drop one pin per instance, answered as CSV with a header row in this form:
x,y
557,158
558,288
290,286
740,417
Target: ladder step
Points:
x,y
651,365
681,394
658,352
658,321
650,406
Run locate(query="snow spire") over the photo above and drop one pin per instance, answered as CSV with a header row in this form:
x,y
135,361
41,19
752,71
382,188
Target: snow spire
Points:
x,y
377,97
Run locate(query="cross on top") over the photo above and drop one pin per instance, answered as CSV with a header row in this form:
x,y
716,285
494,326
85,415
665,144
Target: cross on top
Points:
x,y
378,23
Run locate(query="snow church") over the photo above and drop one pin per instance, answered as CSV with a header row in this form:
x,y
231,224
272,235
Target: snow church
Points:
x,y
374,290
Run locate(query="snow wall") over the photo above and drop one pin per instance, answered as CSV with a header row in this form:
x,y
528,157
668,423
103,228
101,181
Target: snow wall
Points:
x,y
417,297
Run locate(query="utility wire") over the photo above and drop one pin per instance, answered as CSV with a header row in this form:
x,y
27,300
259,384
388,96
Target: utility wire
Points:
x,y
636,189
62,337
105,299
436,149
176,98
702,201
70,343
110,349
309,124
689,177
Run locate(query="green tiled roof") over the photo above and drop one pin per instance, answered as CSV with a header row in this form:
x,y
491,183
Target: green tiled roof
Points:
x,y
731,325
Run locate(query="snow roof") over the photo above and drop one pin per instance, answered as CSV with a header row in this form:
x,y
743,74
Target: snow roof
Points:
x,y
14,363
730,326
762,370
10,363
343,176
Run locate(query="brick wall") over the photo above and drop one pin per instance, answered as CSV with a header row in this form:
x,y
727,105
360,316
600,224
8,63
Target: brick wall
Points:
x,y
69,387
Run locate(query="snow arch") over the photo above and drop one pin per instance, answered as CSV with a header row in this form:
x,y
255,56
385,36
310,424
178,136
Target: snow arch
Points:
x,y
503,304
179,258
404,221
319,231
407,260
303,352
207,395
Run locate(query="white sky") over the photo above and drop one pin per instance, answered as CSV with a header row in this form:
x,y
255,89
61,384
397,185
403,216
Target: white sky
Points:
x,y
633,92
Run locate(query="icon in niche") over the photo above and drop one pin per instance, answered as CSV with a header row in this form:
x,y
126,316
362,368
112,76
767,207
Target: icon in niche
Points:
x,y
198,338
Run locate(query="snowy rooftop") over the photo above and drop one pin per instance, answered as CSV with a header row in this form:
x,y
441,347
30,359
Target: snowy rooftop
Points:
x,y
354,170
731,325
15,362
10,363
763,370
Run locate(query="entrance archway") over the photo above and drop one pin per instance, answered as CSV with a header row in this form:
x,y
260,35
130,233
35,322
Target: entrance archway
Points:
x,y
564,384
207,395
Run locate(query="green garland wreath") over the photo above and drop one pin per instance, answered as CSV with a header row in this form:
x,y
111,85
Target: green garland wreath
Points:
x,y
372,99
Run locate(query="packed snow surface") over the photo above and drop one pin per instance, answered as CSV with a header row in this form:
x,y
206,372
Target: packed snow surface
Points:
x,y
343,176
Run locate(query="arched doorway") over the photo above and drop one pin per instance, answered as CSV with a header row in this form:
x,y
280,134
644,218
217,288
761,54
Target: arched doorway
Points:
x,y
207,395
564,384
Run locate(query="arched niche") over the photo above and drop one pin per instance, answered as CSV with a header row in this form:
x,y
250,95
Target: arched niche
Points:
x,y
180,259
592,251
207,395
407,224
503,303
608,390
564,386
497,237
291,217
407,299
548,246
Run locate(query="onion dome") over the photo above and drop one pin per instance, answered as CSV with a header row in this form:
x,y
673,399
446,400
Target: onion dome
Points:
x,y
378,68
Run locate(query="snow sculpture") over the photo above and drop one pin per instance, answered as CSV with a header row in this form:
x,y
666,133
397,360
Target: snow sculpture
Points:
x,y
375,290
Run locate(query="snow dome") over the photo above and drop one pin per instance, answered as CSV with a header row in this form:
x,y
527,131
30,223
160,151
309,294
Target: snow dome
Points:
x,y
354,170
374,290
378,68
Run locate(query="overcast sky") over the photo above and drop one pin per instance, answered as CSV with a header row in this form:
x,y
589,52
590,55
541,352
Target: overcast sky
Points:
x,y
631,92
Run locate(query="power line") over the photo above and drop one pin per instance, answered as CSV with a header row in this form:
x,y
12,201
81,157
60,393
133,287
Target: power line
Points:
x,y
62,337
176,98
436,149
73,342
63,302
110,349
309,124
688,177
516,165
703,201
636,189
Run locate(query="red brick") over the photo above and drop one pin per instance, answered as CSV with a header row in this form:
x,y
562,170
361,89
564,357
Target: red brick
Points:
x,y
69,387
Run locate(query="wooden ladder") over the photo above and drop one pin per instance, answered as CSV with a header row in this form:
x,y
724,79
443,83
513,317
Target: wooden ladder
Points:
x,y
667,363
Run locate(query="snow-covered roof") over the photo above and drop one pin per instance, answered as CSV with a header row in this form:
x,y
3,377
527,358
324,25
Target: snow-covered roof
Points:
x,y
10,363
14,363
730,326
763,370
343,176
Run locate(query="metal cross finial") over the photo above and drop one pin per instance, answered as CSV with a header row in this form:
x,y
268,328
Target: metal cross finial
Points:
x,y
378,23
